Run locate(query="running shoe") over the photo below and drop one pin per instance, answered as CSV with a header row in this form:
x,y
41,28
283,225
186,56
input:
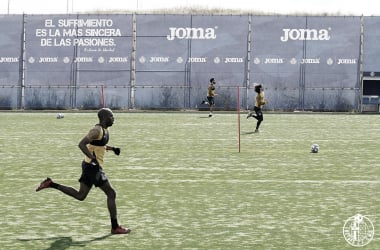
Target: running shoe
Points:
x,y
45,184
120,230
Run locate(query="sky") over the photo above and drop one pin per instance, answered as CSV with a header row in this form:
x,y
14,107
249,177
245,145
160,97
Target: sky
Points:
x,y
341,7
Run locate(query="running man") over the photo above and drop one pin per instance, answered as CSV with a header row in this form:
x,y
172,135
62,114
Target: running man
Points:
x,y
260,101
94,146
210,96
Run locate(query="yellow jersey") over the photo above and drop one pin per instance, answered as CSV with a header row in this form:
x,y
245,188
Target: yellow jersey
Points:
x,y
100,149
211,90
260,101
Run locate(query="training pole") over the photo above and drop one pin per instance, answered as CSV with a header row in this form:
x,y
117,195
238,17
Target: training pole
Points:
x,y
238,111
102,96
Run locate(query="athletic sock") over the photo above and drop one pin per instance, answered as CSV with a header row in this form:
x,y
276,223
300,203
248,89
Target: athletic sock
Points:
x,y
54,185
114,223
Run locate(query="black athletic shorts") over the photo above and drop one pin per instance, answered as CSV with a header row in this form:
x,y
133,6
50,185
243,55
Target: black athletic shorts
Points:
x,y
259,113
210,100
92,175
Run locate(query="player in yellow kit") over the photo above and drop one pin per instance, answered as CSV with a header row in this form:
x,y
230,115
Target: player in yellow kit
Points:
x,y
260,101
210,96
94,146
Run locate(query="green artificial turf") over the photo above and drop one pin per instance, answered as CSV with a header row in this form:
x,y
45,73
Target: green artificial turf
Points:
x,y
182,183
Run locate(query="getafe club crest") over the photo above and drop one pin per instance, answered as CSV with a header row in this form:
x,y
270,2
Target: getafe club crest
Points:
x,y
358,230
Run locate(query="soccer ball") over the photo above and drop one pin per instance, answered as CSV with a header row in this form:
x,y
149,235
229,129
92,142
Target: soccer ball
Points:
x,y
314,148
60,116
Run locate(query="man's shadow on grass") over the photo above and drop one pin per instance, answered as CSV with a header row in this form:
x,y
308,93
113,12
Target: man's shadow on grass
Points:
x,y
248,133
62,243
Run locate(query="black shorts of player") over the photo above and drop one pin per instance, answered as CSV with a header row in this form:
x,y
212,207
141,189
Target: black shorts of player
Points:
x,y
92,175
210,100
259,113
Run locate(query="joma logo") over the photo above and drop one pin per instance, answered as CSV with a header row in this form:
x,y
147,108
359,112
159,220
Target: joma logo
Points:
x,y
305,34
191,33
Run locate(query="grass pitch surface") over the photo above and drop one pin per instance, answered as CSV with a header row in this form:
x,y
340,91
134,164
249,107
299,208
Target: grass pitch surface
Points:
x,y
182,184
